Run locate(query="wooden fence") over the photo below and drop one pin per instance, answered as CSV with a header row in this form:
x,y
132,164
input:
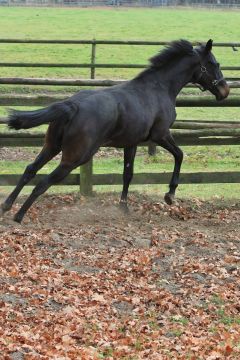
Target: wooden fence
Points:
x,y
124,3
185,132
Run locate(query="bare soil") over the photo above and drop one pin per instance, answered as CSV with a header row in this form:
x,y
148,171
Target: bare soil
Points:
x,y
29,154
216,220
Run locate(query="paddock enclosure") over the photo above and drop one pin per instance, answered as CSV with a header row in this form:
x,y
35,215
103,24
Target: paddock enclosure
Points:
x,y
82,280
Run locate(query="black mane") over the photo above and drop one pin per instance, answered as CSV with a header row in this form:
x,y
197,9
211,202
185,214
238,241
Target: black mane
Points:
x,y
174,50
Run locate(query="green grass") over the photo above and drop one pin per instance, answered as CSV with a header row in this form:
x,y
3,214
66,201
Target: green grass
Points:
x,y
129,23
202,158
222,316
124,24
179,319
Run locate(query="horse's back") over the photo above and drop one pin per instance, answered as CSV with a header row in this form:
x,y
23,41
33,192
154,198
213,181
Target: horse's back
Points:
x,y
117,116
120,116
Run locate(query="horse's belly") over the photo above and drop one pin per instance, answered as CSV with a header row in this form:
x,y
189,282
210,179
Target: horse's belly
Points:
x,y
128,138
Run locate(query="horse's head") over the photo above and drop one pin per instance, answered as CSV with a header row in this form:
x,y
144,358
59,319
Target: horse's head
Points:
x,y
208,74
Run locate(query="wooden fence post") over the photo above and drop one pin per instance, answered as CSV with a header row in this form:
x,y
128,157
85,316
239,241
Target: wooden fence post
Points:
x,y
86,178
93,57
152,148
86,170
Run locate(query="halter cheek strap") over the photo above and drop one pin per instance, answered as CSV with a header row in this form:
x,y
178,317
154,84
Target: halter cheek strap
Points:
x,y
214,82
203,70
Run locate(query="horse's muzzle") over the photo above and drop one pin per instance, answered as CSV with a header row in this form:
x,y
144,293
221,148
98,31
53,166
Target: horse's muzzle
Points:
x,y
223,90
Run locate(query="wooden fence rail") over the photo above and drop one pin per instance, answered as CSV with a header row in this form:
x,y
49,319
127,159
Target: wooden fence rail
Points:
x,y
234,84
87,180
182,101
93,51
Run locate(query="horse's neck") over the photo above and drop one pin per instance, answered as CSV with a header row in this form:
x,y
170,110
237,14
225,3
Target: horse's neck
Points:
x,y
175,78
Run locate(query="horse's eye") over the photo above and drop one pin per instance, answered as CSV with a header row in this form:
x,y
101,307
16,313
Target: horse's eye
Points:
x,y
214,64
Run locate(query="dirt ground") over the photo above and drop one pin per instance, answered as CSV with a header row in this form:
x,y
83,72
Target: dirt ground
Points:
x,y
92,282
216,220
29,154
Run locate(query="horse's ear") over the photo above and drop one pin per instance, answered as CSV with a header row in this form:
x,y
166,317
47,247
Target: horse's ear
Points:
x,y
208,46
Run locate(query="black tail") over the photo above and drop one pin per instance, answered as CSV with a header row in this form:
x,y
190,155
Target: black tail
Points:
x,y
62,111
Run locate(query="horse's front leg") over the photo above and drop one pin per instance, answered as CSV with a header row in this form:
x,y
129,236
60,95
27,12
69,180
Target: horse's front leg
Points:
x,y
168,143
129,156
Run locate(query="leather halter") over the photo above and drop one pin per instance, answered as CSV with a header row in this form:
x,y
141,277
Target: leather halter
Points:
x,y
203,70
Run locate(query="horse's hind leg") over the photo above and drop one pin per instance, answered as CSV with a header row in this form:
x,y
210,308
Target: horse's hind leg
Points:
x,y
168,143
46,154
56,176
70,160
129,156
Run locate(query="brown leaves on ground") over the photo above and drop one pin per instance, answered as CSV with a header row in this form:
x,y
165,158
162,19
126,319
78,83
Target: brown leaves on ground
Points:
x,y
83,281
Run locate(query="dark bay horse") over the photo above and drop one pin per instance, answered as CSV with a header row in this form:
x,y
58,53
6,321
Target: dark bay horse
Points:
x,y
121,116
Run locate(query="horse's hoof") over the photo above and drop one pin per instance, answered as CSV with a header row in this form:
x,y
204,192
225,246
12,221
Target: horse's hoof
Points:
x,y
1,211
3,208
169,198
124,207
18,218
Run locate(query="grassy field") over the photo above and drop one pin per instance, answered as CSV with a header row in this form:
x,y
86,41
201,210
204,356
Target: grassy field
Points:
x,y
114,24
122,24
